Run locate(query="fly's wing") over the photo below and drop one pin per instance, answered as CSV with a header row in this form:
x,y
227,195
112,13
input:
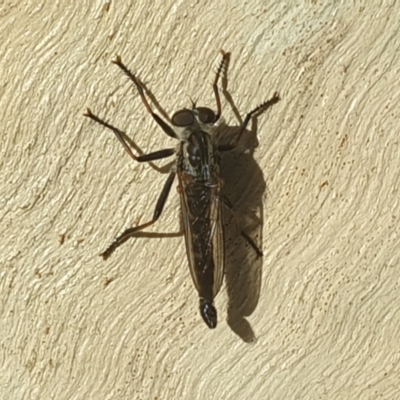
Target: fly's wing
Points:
x,y
218,243
204,235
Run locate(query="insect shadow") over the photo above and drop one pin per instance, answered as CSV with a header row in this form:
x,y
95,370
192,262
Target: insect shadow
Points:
x,y
204,187
245,187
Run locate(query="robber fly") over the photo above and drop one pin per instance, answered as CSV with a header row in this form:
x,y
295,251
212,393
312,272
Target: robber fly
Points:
x,y
199,185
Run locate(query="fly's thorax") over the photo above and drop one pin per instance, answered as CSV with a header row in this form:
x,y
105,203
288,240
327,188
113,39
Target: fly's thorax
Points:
x,y
198,157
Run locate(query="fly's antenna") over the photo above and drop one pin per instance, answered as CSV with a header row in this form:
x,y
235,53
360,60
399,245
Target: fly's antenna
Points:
x,y
193,102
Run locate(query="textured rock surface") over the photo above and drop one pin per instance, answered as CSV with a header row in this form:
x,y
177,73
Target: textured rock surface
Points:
x,y
317,318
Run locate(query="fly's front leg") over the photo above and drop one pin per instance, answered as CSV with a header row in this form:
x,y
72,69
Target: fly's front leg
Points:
x,y
222,65
164,126
121,136
157,212
249,116
249,240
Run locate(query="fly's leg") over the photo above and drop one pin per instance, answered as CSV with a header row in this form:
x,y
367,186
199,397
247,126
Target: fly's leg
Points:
x,y
139,86
132,231
249,240
221,67
121,136
251,114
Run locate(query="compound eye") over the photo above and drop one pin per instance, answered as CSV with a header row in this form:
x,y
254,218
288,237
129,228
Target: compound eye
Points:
x,y
206,116
183,118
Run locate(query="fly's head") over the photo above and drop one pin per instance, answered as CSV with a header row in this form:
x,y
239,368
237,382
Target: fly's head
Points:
x,y
197,118
209,313
198,154
187,120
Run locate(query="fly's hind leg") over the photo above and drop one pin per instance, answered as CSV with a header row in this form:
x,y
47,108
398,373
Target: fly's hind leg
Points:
x,y
132,231
249,240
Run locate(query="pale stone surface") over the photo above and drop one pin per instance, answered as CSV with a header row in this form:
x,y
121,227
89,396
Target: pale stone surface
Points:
x,y
324,301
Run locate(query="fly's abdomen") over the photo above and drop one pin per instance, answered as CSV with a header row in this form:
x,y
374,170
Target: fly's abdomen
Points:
x,y
202,222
